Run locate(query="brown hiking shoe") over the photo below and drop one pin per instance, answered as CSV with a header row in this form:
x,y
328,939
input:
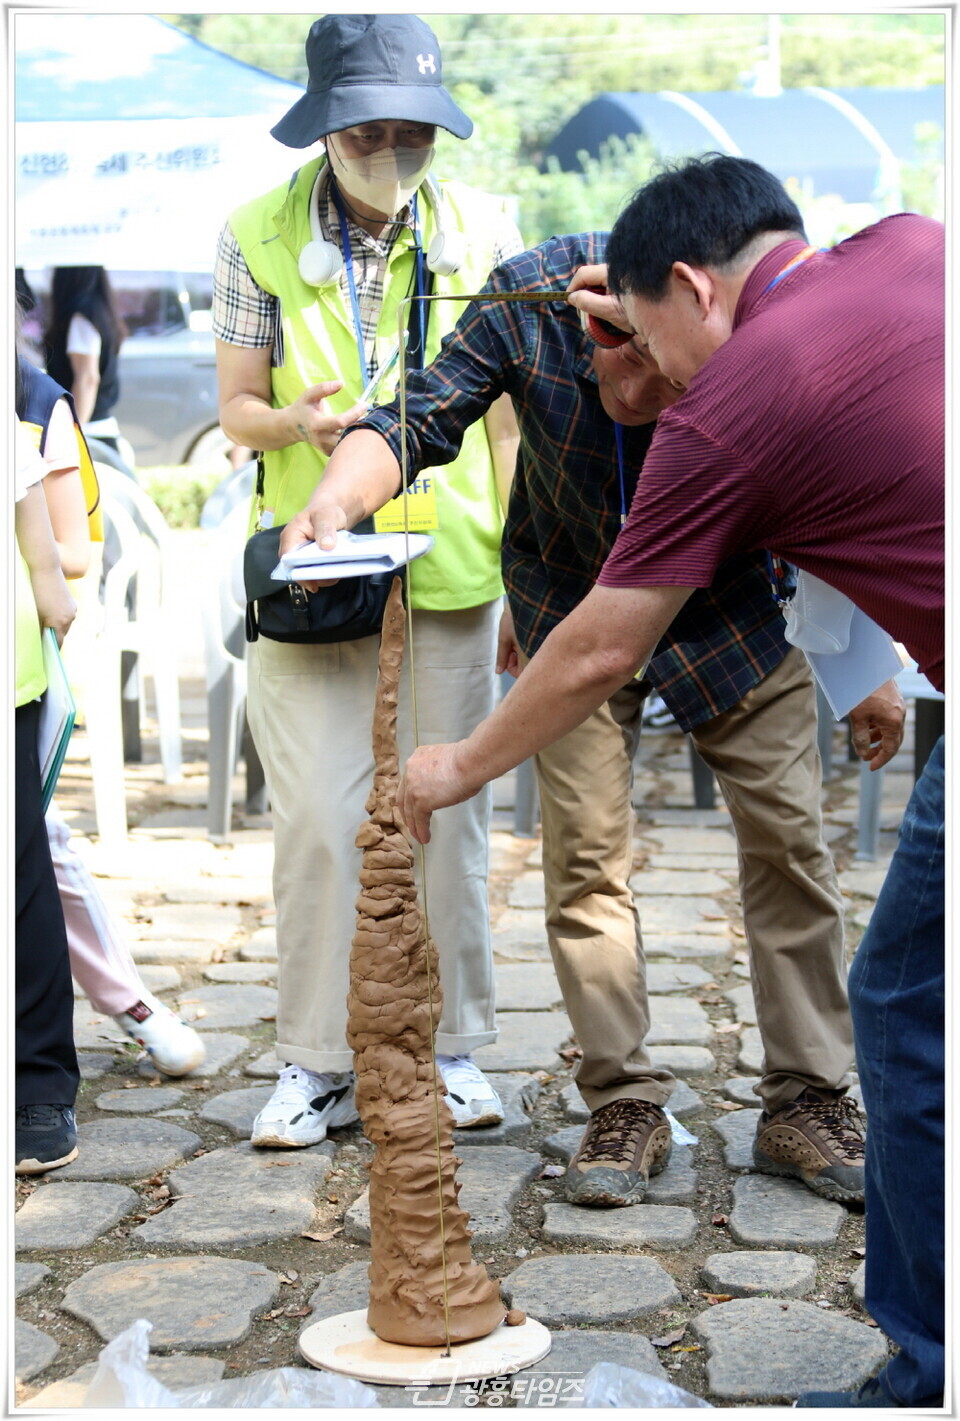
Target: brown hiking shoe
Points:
x,y
624,1143
817,1138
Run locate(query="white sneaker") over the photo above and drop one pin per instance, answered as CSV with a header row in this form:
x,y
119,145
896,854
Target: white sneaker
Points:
x,y
174,1046
470,1095
303,1108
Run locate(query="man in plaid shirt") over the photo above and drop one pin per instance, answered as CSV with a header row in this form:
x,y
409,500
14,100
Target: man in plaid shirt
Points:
x,y
586,417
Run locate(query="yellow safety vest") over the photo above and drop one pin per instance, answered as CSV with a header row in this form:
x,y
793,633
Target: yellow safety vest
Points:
x,y
463,569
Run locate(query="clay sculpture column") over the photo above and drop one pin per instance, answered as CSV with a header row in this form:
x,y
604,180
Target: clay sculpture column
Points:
x,y
389,1030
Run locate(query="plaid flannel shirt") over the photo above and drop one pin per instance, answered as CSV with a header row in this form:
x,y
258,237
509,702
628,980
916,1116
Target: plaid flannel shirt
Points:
x,y
565,505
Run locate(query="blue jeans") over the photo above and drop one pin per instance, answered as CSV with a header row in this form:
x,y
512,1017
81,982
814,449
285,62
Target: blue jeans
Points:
x,y
897,1005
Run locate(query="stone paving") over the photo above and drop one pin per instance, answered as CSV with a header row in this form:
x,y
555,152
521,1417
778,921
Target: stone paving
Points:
x,y
741,1288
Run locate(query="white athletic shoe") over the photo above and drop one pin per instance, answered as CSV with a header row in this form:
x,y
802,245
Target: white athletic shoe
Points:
x,y
173,1045
470,1095
303,1108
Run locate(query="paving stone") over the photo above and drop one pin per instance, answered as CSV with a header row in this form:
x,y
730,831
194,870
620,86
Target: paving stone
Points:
x,y
589,1287
490,1184
240,1197
750,1060
265,1065
95,1064
744,1008
683,1060
675,976
722,863
136,1101
262,946
159,977
174,1372
691,841
646,1224
683,915
237,1109
857,1281
677,1184
128,1149
347,1290
783,1274
689,818
574,1106
862,880
769,1212
521,944
223,1048
518,1094
194,921
210,1008
71,1215
93,1030
527,986
740,1089
195,1302
176,951
737,1131
220,890
27,1277
701,947
528,1041
33,1350
677,1021
685,882
241,972
761,1349
572,1354
527,890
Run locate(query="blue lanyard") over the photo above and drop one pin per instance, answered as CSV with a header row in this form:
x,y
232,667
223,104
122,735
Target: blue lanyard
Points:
x,y
618,437
352,284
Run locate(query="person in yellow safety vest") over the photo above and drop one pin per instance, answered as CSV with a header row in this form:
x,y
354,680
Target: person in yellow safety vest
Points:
x,y
47,1073
307,288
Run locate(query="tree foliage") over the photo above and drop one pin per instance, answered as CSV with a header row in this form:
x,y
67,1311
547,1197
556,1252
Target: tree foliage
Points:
x,y
520,77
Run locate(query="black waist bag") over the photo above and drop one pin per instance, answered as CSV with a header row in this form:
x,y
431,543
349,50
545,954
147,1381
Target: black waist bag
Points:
x,y
284,611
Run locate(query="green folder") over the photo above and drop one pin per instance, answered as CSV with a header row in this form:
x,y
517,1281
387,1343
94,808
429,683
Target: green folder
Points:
x,y
58,713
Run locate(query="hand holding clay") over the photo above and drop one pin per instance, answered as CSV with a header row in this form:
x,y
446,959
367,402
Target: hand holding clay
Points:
x,y
430,781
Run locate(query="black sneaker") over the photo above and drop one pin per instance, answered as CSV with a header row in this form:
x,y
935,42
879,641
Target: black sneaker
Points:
x,y
46,1137
624,1143
872,1394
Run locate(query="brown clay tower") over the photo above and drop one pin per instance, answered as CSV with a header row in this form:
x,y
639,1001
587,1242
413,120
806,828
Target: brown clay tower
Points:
x,y
389,1030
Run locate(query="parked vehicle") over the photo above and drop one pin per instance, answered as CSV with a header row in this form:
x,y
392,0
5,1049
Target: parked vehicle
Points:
x,y
168,381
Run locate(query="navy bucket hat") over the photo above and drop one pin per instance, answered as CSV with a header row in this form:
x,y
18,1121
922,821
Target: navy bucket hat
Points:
x,y
367,67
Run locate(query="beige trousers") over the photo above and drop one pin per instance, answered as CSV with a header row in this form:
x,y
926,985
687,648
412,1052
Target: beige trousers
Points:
x,y
764,755
310,710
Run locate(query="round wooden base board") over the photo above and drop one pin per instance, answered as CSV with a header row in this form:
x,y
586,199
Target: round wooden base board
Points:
x,y
347,1345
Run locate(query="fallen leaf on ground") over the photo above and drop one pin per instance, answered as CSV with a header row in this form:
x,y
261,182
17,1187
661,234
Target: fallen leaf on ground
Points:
x,y
728,1026
668,1338
323,1238
719,1220
858,1253
728,1105
551,1171
714,1298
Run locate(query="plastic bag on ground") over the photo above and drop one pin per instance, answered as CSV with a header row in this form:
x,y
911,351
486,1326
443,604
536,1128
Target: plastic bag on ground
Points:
x,y
608,1384
122,1380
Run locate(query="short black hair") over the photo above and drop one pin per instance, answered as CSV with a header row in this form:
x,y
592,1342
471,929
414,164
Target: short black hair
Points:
x,y
702,211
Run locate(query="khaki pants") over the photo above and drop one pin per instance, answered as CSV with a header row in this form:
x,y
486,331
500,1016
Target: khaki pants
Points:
x,y
310,710
764,755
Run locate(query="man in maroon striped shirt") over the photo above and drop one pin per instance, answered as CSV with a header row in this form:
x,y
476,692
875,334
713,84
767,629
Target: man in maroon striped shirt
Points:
x,y
811,424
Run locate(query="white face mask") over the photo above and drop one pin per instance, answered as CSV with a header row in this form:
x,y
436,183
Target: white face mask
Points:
x,y
384,181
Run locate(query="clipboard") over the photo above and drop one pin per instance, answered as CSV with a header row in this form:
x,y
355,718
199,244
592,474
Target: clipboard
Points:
x,y
58,714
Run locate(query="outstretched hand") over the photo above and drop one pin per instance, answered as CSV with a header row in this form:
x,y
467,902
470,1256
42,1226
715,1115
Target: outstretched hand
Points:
x,y
430,781
312,421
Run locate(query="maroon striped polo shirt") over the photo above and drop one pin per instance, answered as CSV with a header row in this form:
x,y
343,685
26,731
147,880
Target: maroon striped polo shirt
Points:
x,y
817,431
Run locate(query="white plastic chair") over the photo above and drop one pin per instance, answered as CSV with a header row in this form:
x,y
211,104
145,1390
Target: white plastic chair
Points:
x,y
223,609
136,618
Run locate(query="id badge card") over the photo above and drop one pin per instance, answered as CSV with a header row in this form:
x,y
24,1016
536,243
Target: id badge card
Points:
x,y
421,509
